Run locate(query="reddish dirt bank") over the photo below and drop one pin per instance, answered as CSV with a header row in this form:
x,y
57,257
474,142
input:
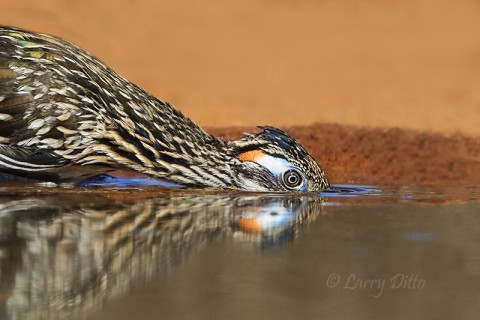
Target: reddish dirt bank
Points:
x,y
385,156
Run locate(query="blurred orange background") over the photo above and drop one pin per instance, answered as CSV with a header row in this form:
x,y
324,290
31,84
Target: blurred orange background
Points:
x,y
411,63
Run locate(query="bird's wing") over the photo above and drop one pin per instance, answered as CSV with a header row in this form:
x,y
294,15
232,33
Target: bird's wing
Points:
x,y
43,165
35,164
34,101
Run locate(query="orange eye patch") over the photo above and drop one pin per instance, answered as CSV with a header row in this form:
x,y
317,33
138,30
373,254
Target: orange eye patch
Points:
x,y
253,155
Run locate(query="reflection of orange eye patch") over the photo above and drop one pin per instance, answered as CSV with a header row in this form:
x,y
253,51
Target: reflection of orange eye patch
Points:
x,y
253,155
249,224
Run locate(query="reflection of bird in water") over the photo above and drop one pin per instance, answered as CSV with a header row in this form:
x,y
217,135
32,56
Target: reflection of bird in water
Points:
x,y
64,255
271,215
65,116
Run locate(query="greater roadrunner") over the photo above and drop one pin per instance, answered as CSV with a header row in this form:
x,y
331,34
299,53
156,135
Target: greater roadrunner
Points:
x,y
66,117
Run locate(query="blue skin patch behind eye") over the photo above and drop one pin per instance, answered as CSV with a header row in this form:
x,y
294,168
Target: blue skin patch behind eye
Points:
x,y
105,180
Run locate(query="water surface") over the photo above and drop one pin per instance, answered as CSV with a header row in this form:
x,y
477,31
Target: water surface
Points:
x,y
357,252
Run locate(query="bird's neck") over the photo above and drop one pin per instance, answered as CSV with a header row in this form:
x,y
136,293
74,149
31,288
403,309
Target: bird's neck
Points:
x,y
178,149
206,162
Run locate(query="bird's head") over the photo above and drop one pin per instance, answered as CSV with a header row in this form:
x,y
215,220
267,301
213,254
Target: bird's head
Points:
x,y
272,160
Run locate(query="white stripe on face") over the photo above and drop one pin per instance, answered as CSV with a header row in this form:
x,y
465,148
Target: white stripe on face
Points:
x,y
277,166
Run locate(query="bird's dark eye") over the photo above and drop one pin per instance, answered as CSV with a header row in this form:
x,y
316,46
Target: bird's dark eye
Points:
x,y
292,179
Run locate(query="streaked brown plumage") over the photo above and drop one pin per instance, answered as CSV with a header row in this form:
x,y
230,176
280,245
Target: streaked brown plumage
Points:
x,y
65,116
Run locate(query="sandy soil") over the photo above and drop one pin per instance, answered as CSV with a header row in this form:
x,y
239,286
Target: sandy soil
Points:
x,y
412,64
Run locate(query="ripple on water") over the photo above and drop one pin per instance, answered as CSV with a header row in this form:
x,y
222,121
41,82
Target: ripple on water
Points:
x,y
350,190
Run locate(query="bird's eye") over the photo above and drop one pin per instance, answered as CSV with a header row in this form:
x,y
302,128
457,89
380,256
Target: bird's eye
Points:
x,y
292,179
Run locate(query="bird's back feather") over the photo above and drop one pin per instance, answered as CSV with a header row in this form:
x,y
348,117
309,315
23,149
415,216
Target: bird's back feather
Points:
x,y
58,98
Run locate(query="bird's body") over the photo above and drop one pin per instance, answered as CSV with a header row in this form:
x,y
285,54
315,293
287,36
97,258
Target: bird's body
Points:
x,y
65,116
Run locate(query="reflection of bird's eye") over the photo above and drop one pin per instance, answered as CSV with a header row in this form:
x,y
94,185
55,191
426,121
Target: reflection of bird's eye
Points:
x,y
292,179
